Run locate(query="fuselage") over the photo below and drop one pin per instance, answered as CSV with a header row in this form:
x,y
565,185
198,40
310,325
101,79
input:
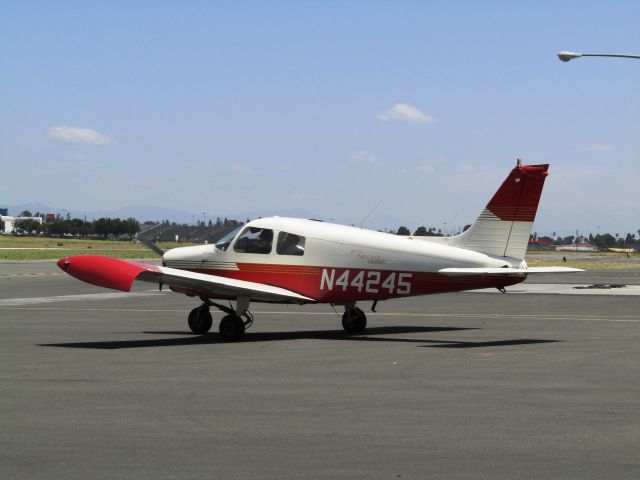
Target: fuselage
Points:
x,y
339,264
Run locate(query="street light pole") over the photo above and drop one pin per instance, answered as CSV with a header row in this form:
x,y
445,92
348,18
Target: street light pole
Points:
x,y
566,56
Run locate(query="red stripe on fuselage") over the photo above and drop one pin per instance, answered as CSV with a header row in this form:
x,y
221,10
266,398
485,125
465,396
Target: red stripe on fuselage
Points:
x,y
337,284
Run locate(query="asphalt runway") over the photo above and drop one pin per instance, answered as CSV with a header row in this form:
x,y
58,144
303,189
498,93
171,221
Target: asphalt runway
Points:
x,y
97,384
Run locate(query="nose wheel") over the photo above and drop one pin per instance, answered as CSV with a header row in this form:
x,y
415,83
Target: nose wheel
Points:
x,y
354,320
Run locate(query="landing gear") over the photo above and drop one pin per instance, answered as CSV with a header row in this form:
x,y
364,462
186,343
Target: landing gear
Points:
x,y
200,319
232,328
353,320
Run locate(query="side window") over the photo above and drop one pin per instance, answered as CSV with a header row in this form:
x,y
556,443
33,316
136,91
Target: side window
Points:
x,y
254,240
290,244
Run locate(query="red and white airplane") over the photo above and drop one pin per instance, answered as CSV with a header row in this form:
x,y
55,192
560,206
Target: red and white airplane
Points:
x,y
288,260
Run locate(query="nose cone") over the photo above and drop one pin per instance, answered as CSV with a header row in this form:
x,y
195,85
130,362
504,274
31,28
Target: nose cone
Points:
x,y
105,271
184,257
64,263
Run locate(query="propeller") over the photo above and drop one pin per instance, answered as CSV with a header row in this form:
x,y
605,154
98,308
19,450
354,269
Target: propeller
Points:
x,y
151,246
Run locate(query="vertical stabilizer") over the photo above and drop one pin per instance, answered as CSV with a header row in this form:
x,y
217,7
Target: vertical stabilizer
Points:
x,y
504,226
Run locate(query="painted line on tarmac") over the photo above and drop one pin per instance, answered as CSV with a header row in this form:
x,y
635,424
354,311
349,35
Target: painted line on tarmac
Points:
x,y
564,289
13,275
14,302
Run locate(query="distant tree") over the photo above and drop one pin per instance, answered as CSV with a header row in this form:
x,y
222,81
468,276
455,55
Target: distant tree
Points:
x,y
103,226
606,240
466,227
403,231
568,240
132,226
29,226
25,213
1,225
421,232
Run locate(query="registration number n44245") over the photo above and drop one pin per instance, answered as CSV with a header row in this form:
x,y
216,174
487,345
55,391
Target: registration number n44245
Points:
x,y
369,281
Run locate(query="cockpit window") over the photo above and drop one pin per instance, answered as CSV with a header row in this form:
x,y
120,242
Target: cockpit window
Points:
x,y
254,240
290,244
225,241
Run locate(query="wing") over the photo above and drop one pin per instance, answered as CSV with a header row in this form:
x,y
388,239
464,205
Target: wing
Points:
x,y
120,274
506,271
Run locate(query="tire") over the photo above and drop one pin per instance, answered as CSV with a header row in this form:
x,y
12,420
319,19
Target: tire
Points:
x,y
354,321
200,320
231,328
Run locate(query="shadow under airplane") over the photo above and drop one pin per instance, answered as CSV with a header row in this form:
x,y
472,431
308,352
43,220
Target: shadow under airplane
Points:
x,y
371,335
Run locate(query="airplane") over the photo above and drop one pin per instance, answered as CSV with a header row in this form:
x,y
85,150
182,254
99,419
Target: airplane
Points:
x,y
303,261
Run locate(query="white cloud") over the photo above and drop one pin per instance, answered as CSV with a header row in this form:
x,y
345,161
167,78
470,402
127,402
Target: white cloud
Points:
x,y
242,169
465,168
412,169
363,156
401,112
596,147
79,135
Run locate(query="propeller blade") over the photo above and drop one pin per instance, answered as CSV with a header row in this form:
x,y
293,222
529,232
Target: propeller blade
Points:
x,y
151,246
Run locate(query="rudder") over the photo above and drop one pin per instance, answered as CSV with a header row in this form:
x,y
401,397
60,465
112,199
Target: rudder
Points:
x,y
504,226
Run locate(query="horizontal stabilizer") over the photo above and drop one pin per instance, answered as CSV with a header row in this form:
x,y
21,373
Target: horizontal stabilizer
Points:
x,y
506,271
553,270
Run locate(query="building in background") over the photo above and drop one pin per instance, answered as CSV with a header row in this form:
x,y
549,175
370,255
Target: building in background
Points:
x,y
10,223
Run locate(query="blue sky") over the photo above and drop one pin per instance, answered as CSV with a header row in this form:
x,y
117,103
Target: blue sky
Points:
x,y
332,107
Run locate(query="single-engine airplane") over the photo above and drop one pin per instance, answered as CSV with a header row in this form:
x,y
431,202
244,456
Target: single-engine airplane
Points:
x,y
288,260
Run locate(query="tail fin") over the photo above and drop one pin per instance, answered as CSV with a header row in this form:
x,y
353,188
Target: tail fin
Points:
x,y
504,226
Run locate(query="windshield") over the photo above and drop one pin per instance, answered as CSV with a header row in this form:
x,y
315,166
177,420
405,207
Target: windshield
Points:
x,y
225,241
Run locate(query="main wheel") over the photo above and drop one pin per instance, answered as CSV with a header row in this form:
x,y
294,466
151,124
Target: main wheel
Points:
x,y
200,320
354,321
231,328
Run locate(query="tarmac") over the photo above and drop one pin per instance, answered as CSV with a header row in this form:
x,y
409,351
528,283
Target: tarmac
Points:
x,y
541,382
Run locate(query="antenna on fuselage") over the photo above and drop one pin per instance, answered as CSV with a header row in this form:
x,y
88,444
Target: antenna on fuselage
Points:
x,y
369,214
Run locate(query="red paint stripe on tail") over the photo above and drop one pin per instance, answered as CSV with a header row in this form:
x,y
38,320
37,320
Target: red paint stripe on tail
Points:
x,y
518,197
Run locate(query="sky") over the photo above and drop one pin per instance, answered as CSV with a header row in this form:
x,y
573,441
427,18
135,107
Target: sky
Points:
x,y
413,110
